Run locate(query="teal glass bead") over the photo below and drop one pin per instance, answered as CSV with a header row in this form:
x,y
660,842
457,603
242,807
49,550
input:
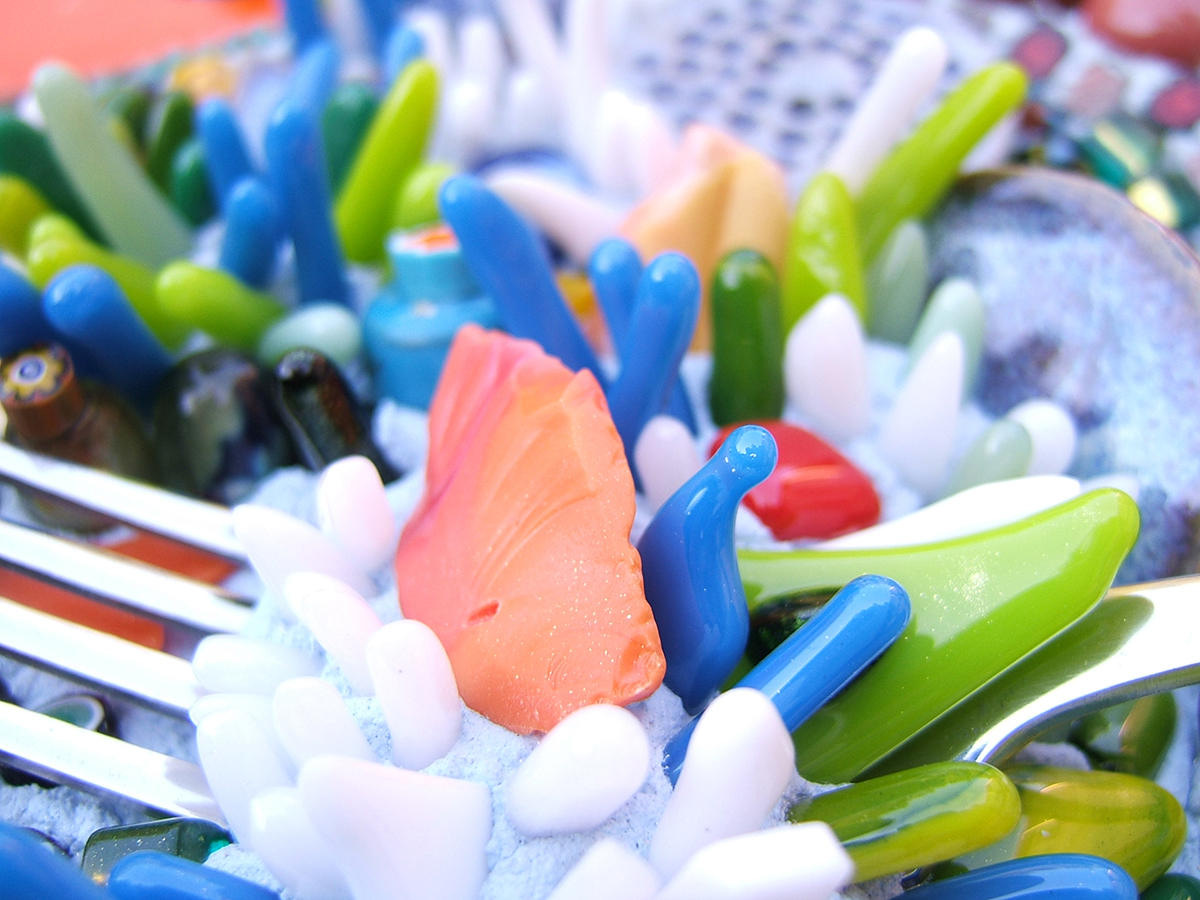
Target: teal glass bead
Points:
x,y
1002,451
131,104
189,187
1130,737
1121,149
1169,198
955,306
897,282
1173,887
187,838
169,125
344,124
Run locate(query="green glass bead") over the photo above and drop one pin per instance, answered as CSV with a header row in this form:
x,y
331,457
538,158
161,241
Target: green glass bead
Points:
x,y
914,176
1169,198
822,255
344,124
217,303
25,152
1128,820
194,839
20,207
1131,737
191,192
955,306
1121,149
120,131
391,149
417,199
131,104
1003,451
747,376
979,604
329,328
54,244
169,125
911,819
1173,887
896,284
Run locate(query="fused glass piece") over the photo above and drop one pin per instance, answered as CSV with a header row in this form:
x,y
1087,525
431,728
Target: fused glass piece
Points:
x,y
253,228
954,306
614,870
225,148
391,149
216,303
167,128
813,663
1057,876
911,180
85,711
216,431
691,573
825,370
1003,451
822,251
1169,198
321,413
1128,820
284,837
194,839
150,875
813,492
21,311
329,328
25,152
1131,737
1167,28
20,206
747,376
205,75
417,198
1178,104
310,718
665,456
344,124
131,103
404,44
1097,92
518,555
188,184
29,870
896,283
1039,51
1173,886
305,22
911,819
1121,149
1035,577
1052,431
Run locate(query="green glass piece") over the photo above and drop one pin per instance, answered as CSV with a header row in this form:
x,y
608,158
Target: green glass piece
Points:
x,y
25,152
344,124
120,131
1169,198
1003,451
193,839
915,175
392,148
54,244
896,284
955,306
169,126
1121,149
980,603
822,254
1125,819
1131,737
747,376
1173,887
191,192
137,219
131,104
217,303
911,819
417,199
329,328
20,207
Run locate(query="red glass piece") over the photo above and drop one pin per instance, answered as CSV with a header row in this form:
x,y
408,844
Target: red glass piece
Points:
x,y
1178,106
1039,52
814,492
1167,28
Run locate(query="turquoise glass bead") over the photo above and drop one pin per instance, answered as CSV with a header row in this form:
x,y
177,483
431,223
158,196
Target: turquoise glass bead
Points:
x,y
187,838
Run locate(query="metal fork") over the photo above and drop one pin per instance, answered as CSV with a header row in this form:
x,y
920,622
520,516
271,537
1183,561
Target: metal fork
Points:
x,y
1137,641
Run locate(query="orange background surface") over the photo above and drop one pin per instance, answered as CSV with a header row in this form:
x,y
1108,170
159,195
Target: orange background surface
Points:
x,y
103,36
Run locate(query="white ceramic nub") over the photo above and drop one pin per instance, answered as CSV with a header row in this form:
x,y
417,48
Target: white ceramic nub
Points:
x,y
353,510
232,664
608,871
531,33
825,370
587,64
339,619
581,772
279,544
1052,431
905,80
396,834
283,836
791,862
738,763
312,720
528,108
259,706
665,456
976,509
653,149
416,690
434,28
239,762
917,437
481,56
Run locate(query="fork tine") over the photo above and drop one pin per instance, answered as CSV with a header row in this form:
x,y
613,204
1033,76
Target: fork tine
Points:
x,y
204,525
113,579
63,753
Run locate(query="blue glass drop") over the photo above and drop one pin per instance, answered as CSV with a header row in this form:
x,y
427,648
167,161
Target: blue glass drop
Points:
x,y
225,153
403,46
820,658
21,312
304,21
29,870
88,307
1056,876
253,227
296,161
660,329
380,16
315,76
510,263
149,875
691,573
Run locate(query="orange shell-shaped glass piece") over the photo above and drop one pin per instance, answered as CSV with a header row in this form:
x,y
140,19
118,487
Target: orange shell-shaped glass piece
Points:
x,y
518,555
